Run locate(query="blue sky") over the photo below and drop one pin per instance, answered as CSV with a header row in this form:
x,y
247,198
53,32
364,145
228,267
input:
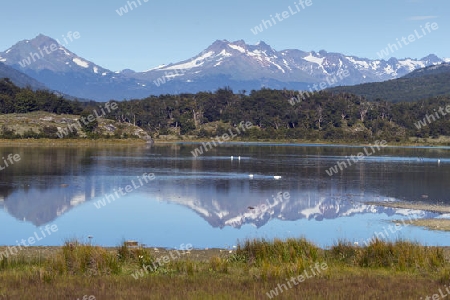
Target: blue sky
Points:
x,y
160,32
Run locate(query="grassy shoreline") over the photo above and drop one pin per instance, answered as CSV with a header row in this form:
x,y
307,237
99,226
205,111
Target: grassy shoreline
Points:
x,y
256,268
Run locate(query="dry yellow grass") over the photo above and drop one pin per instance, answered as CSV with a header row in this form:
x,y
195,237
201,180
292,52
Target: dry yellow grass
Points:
x,y
383,270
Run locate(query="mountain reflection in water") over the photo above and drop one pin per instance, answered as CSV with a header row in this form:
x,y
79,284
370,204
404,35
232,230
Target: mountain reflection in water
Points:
x,y
50,182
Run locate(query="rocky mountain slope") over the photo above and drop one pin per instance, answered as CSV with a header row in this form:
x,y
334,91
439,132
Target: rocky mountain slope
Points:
x,y
235,64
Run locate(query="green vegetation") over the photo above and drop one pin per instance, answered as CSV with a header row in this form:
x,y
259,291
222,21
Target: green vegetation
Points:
x,y
388,270
324,116
23,100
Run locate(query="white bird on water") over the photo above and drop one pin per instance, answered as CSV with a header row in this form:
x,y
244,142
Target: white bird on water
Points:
x,y
231,157
251,176
277,177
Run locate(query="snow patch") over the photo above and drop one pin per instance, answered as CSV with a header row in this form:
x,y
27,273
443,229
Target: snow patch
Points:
x,y
376,65
80,62
276,65
2,59
389,70
104,74
313,59
225,53
156,68
287,65
198,62
238,48
359,63
65,51
95,69
257,53
173,75
411,64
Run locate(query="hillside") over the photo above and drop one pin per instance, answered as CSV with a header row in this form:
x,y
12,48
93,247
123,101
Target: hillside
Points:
x,y
424,83
18,78
25,113
47,125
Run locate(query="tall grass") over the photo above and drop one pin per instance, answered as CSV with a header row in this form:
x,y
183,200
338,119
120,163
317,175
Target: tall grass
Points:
x,y
81,259
262,251
277,258
390,269
399,255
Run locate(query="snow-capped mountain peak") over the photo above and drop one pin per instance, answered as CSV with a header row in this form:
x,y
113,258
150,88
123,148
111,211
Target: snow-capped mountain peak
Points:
x,y
236,64
45,53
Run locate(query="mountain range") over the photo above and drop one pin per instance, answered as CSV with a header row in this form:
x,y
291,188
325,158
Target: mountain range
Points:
x,y
234,64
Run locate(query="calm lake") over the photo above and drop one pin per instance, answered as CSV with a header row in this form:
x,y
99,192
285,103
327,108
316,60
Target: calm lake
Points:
x,y
214,200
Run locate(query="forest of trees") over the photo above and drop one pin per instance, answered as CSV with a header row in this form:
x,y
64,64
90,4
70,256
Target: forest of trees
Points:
x,y
22,100
323,116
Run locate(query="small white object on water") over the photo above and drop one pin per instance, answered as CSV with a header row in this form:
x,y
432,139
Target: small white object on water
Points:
x,y
251,175
239,158
277,177
232,157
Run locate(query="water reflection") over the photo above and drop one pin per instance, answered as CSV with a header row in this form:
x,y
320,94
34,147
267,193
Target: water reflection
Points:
x,y
50,182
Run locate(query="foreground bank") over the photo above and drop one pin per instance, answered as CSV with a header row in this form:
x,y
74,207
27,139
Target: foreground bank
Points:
x,y
256,269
